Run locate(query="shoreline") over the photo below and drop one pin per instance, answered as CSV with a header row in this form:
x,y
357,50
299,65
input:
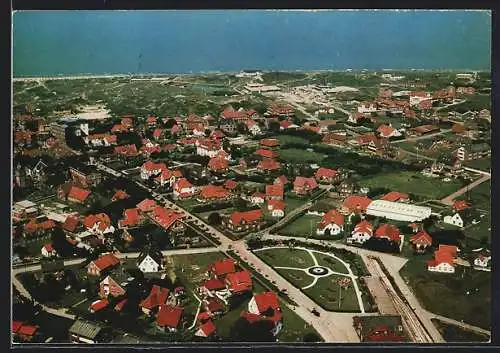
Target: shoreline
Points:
x,y
166,75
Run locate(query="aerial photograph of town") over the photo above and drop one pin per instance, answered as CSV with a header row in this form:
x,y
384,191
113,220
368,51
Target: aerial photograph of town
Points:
x,y
263,176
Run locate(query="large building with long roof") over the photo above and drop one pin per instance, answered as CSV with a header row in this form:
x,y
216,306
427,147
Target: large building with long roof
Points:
x,y
398,211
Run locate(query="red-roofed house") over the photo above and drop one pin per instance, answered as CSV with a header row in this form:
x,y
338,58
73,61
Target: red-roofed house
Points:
x,y
127,150
131,218
258,198
146,205
332,223
78,195
184,189
444,259
70,224
276,207
388,231
98,305
239,282
119,128
253,127
281,180
208,147
267,153
157,297
168,177
206,329
268,165
269,143
217,164
168,219
421,241
111,285
212,285
103,263
230,185
274,192
460,205
150,168
304,186
242,221
169,318
213,192
387,131
217,134
221,268
395,196
151,120
157,133
362,232
48,250
267,306
99,224
326,175
213,306
119,195
25,332
355,204
120,305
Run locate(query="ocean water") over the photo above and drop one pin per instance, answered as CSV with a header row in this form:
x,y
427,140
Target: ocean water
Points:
x,y
51,43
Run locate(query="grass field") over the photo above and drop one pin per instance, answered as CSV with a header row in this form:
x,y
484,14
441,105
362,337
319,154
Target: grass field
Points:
x,y
300,156
452,333
298,278
330,262
304,226
451,289
481,164
327,294
286,257
284,139
414,183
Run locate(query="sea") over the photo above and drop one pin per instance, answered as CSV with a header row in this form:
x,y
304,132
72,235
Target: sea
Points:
x,y
64,43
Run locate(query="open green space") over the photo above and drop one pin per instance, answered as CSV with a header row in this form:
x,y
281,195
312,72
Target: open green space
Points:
x,y
298,278
330,262
331,296
453,334
290,139
286,257
298,156
303,226
413,183
481,164
464,295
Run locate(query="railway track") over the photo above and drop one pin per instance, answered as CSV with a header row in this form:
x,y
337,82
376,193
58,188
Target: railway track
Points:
x,y
415,329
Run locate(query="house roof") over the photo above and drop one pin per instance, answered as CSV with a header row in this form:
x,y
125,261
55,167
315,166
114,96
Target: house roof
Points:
x,y
281,180
157,297
452,249
214,284
213,191
276,204
48,247
422,237
106,261
274,190
146,205
270,142
119,306
325,173
441,256
70,223
364,227
266,300
239,281
27,330
129,150
247,216
169,316
356,202
101,219
16,325
388,231
395,196
120,195
268,164
182,183
99,305
385,130
165,217
223,267
214,305
460,205
207,329
203,316
365,139
267,153
78,193
302,182
131,217
230,184
331,217
157,132
258,195
85,329
218,163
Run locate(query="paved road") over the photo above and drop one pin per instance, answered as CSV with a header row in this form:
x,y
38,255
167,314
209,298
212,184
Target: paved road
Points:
x,y
462,324
424,137
448,200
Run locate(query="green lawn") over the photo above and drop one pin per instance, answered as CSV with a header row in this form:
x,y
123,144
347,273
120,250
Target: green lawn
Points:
x,y
286,257
480,196
304,226
481,164
330,262
298,278
326,292
451,289
413,182
300,156
284,139
35,246
452,333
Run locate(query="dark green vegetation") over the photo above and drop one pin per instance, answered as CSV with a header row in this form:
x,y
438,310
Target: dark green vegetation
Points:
x,y
465,295
452,333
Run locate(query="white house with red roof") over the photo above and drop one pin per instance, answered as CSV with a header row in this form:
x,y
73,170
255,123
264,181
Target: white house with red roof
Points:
x,y
361,233
168,177
277,208
444,259
184,189
213,192
150,168
78,195
103,263
258,198
253,127
483,260
304,186
332,223
146,205
268,165
389,232
326,175
421,241
208,147
275,191
169,318
48,250
131,218
218,164
267,306
239,282
206,329
241,221
387,131
418,96
99,224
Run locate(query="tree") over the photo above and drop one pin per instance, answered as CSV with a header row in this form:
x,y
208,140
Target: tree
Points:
x,y
170,123
214,219
244,331
274,126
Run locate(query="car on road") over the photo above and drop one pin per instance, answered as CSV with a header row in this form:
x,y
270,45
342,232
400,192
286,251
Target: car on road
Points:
x,y
315,312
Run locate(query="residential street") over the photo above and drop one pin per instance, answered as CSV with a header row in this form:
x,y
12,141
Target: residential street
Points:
x,y
424,137
448,200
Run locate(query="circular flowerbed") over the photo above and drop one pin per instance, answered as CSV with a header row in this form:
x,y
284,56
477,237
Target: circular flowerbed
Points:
x,y
318,271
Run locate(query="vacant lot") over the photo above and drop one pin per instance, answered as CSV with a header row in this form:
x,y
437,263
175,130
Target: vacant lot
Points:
x,y
413,183
300,156
304,226
466,298
289,139
481,164
452,333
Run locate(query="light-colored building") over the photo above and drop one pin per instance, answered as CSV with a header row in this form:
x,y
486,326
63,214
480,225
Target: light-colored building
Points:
x,y
398,211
